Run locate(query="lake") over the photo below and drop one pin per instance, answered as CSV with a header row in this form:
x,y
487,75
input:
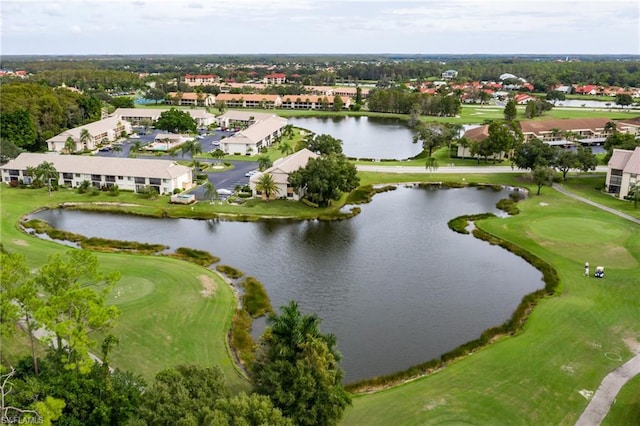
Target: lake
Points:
x,y
365,137
394,284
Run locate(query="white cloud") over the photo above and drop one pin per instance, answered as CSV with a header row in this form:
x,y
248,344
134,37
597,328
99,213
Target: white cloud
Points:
x,y
312,26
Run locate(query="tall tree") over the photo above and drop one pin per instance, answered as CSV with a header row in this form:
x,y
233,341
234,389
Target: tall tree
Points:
x,y
264,162
564,161
534,153
69,145
624,99
176,121
85,138
218,154
542,175
510,110
73,308
297,366
323,144
432,136
19,128
267,186
45,172
285,147
586,160
184,394
191,147
325,178
210,192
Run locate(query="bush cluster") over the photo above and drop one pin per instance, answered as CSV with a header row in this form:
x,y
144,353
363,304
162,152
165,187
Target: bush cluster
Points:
x,y
199,257
229,271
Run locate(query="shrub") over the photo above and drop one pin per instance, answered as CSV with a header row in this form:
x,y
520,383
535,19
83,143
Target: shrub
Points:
x,y
509,206
200,257
309,203
177,190
114,190
229,271
255,299
241,340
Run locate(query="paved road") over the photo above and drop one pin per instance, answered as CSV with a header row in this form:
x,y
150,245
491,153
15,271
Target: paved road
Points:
x,y
601,402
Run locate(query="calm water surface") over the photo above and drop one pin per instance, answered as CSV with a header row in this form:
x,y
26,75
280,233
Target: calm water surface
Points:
x,y
365,137
394,284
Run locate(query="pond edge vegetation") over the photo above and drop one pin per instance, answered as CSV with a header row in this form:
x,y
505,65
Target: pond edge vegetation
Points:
x,y
254,302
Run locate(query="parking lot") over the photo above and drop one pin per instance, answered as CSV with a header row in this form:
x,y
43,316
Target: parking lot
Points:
x,y
224,180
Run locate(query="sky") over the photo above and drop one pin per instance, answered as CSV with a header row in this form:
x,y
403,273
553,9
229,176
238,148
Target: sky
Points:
x,y
91,27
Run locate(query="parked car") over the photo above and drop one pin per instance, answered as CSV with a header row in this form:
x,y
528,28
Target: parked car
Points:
x,y
251,173
223,191
134,136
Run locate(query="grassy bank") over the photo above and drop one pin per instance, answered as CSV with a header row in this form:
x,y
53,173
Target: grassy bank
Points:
x,y
567,346
171,311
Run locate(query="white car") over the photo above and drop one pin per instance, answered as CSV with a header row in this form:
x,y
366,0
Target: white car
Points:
x,y
134,136
223,191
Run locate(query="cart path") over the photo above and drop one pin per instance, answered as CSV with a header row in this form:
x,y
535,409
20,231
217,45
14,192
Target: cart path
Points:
x,y
601,402
561,189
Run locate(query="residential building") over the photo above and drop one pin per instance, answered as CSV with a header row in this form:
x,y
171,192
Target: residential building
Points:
x,y
136,115
586,131
449,74
623,170
262,133
280,172
247,100
99,132
275,78
312,102
200,79
102,172
190,99
234,118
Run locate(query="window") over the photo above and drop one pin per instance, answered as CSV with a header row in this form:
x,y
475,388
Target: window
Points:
x,y
140,180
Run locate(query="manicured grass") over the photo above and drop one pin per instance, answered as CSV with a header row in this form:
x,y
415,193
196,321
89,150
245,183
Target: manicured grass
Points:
x,y
469,114
626,407
171,311
590,186
568,345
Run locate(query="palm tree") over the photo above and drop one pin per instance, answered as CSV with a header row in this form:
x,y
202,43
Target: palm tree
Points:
x,y
264,162
69,145
267,186
136,146
85,138
191,147
210,192
46,171
285,148
218,154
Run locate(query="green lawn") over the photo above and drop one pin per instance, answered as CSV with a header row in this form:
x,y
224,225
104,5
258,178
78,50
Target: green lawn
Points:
x,y
568,345
165,318
570,342
626,407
